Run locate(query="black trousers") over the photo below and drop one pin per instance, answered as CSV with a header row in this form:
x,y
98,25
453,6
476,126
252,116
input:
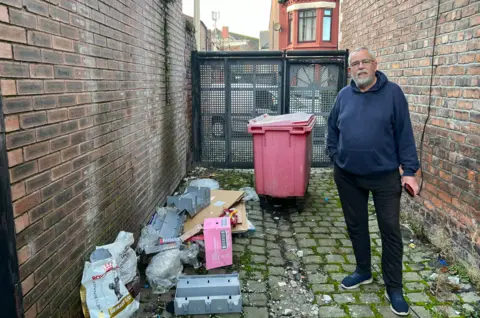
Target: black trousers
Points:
x,y
387,190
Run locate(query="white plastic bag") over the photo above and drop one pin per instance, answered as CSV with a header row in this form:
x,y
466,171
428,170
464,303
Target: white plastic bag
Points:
x,y
123,255
148,238
103,293
164,270
250,194
205,183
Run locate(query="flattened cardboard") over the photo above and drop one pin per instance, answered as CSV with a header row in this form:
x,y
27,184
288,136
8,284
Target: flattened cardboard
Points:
x,y
220,199
242,214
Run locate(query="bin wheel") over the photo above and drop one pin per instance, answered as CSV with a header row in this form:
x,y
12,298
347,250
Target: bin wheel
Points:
x,y
264,203
300,202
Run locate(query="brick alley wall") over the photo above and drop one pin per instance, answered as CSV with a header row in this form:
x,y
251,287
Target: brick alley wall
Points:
x,y
401,33
94,97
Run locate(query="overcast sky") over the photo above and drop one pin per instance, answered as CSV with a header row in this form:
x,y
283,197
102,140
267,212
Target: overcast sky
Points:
x,y
247,17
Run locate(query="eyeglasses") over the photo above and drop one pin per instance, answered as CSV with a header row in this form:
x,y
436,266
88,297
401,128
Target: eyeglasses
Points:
x,y
364,62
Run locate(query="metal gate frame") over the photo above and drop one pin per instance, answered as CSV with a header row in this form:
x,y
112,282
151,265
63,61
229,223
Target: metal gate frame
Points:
x,y
285,59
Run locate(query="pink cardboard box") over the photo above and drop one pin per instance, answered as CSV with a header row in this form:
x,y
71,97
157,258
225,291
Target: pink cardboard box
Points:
x,y
218,242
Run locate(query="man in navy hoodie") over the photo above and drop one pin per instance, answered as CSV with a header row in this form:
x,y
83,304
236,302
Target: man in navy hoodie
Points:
x,y
370,137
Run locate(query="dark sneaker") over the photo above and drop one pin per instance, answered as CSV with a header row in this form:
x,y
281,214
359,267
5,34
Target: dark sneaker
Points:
x,y
355,280
397,303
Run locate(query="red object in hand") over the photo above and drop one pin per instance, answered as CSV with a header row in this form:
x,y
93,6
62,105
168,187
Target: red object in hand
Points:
x,y
409,190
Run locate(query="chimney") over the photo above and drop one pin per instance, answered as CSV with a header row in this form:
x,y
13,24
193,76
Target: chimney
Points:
x,y
225,32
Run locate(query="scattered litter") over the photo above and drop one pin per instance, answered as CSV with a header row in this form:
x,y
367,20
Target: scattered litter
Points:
x,y
123,255
194,200
103,292
218,242
250,194
411,245
443,262
282,284
326,299
212,294
288,312
164,270
276,218
326,199
189,255
205,183
300,253
454,280
293,283
433,276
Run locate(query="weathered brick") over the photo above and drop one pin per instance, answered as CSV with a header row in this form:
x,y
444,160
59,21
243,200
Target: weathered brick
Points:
x,y
47,132
73,59
69,32
64,72
33,119
23,221
71,152
39,290
57,115
17,105
58,14
4,14
48,26
61,170
41,71
54,86
36,150
24,19
29,87
28,284
74,86
45,102
5,51
19,139
10,69
37,7
15,157
52,189
39,39
62,44
26,53
67,100
49,161
52,57
8,87
34,184
26,203
12,123
60,143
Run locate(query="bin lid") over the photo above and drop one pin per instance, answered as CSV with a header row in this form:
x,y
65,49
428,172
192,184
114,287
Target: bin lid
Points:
x,y
296,119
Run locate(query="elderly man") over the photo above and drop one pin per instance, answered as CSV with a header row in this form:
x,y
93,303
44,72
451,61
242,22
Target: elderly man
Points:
x,y
369,137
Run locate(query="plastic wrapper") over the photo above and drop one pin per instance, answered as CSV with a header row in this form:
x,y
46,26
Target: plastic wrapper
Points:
x,y
189,255
123,255
164,270
148,238
103,293
250,194
207,183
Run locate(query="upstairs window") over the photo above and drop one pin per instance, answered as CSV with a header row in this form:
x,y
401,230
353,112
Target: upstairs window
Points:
x,y
307,25
327,25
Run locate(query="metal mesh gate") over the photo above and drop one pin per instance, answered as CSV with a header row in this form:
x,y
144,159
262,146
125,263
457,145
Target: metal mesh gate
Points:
x,y
230,88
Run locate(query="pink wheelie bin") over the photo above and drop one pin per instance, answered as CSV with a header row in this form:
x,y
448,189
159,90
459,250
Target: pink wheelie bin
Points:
x,y
282,152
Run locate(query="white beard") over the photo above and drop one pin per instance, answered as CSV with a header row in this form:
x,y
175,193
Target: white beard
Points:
x,y
362,82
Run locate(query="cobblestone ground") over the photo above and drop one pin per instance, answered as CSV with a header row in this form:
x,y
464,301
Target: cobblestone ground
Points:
x,y
292,265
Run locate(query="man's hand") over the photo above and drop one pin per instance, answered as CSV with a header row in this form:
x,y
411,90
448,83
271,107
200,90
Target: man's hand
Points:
x,y
412,181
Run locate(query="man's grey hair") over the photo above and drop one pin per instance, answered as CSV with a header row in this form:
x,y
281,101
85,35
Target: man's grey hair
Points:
x,y
358,49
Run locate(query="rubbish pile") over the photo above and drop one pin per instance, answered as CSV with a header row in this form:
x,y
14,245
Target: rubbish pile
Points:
x,y
193,229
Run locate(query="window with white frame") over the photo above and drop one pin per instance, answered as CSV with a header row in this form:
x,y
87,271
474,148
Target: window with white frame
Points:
x,y
307,25
290,27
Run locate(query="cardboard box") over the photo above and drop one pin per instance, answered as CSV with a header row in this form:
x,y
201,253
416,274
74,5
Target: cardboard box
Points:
x,y
218,242
219,200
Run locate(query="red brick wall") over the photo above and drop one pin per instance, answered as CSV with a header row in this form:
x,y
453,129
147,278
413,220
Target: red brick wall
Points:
x,y
401,32
95,104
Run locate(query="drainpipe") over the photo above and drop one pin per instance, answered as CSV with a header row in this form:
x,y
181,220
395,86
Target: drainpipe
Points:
x,y
196,21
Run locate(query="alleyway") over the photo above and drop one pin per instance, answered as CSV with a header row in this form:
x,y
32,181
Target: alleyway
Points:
x,y
292,265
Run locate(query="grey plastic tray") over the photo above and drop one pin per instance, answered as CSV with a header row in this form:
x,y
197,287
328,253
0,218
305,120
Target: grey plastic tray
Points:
x,y
194,200
208,294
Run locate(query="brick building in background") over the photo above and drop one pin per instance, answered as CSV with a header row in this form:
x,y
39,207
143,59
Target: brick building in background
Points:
x,y
304,25
96,124
402,34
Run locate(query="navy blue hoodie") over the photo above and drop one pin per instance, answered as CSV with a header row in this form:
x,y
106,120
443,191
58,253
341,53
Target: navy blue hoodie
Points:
x,y
371,133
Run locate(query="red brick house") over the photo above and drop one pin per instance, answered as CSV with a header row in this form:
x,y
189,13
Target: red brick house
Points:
x,y
304,25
